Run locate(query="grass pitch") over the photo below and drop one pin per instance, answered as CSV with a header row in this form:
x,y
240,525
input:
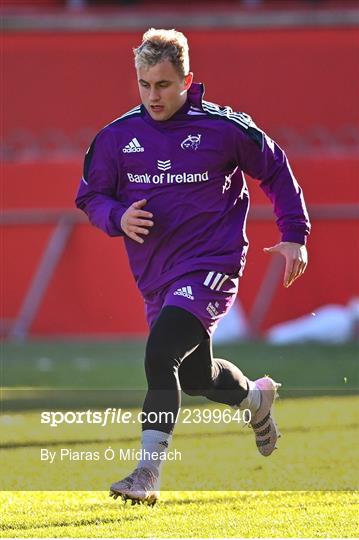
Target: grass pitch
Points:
x,y
306,489
185,514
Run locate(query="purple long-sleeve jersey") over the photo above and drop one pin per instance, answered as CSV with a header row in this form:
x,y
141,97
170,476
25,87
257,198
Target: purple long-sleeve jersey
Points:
x,y
190,170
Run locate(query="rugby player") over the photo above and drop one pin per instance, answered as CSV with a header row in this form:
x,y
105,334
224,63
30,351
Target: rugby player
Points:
x,y
168,177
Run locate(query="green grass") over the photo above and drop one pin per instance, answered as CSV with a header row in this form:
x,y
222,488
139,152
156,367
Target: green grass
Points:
x,y
302,369
186,514
306,489
318,451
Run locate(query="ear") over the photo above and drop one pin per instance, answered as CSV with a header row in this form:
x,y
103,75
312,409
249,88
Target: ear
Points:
x,y
188,80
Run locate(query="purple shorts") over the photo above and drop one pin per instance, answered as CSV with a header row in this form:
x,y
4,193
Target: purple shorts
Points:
x,y
208,295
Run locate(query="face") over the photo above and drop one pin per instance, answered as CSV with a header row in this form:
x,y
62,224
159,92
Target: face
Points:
x,y
162,89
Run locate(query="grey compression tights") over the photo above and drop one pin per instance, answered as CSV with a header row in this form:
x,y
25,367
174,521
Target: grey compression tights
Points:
x,y
179,356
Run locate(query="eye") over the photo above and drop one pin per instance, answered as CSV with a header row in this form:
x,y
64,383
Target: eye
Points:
x,y
164,84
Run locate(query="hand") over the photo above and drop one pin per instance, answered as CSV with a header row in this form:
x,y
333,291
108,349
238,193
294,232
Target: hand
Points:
x,y
134,221
296,260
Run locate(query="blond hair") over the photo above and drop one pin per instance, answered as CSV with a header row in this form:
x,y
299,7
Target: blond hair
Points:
x,y
158,45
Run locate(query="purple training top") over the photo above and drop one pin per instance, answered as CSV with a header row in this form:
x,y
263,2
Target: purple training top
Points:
x,y
189,168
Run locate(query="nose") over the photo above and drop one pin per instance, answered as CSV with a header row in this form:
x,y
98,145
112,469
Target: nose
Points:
x,y
154,94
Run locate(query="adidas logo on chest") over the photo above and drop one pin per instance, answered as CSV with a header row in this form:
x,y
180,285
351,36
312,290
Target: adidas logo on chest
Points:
x,y
133,146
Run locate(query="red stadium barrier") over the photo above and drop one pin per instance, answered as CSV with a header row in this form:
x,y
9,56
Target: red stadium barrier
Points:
x,y
92,290
73,84
290,81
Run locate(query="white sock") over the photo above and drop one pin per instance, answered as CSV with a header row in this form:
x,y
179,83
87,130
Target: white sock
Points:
x,y
253,399
153,442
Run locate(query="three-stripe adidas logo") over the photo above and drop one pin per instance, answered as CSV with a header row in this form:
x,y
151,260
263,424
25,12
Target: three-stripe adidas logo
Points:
x,y
215,281
133,146
185,291
164,165
240,118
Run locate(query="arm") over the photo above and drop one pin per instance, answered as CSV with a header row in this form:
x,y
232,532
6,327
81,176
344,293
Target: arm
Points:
x,y
97,192
262,158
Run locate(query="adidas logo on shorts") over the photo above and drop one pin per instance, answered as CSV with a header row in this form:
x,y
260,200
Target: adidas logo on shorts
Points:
x,y
185,291
133,146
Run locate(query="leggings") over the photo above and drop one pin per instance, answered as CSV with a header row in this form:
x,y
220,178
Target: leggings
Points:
x,y
179,357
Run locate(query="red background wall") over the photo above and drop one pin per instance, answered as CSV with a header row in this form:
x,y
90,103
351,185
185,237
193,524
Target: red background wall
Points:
x,y
295,78
298,79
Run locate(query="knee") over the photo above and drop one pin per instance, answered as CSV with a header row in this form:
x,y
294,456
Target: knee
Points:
x,y
159,357
193,382
192,391
192,388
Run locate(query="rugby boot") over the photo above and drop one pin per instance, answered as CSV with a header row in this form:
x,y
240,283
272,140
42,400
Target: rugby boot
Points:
x,y
140,487
263,424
